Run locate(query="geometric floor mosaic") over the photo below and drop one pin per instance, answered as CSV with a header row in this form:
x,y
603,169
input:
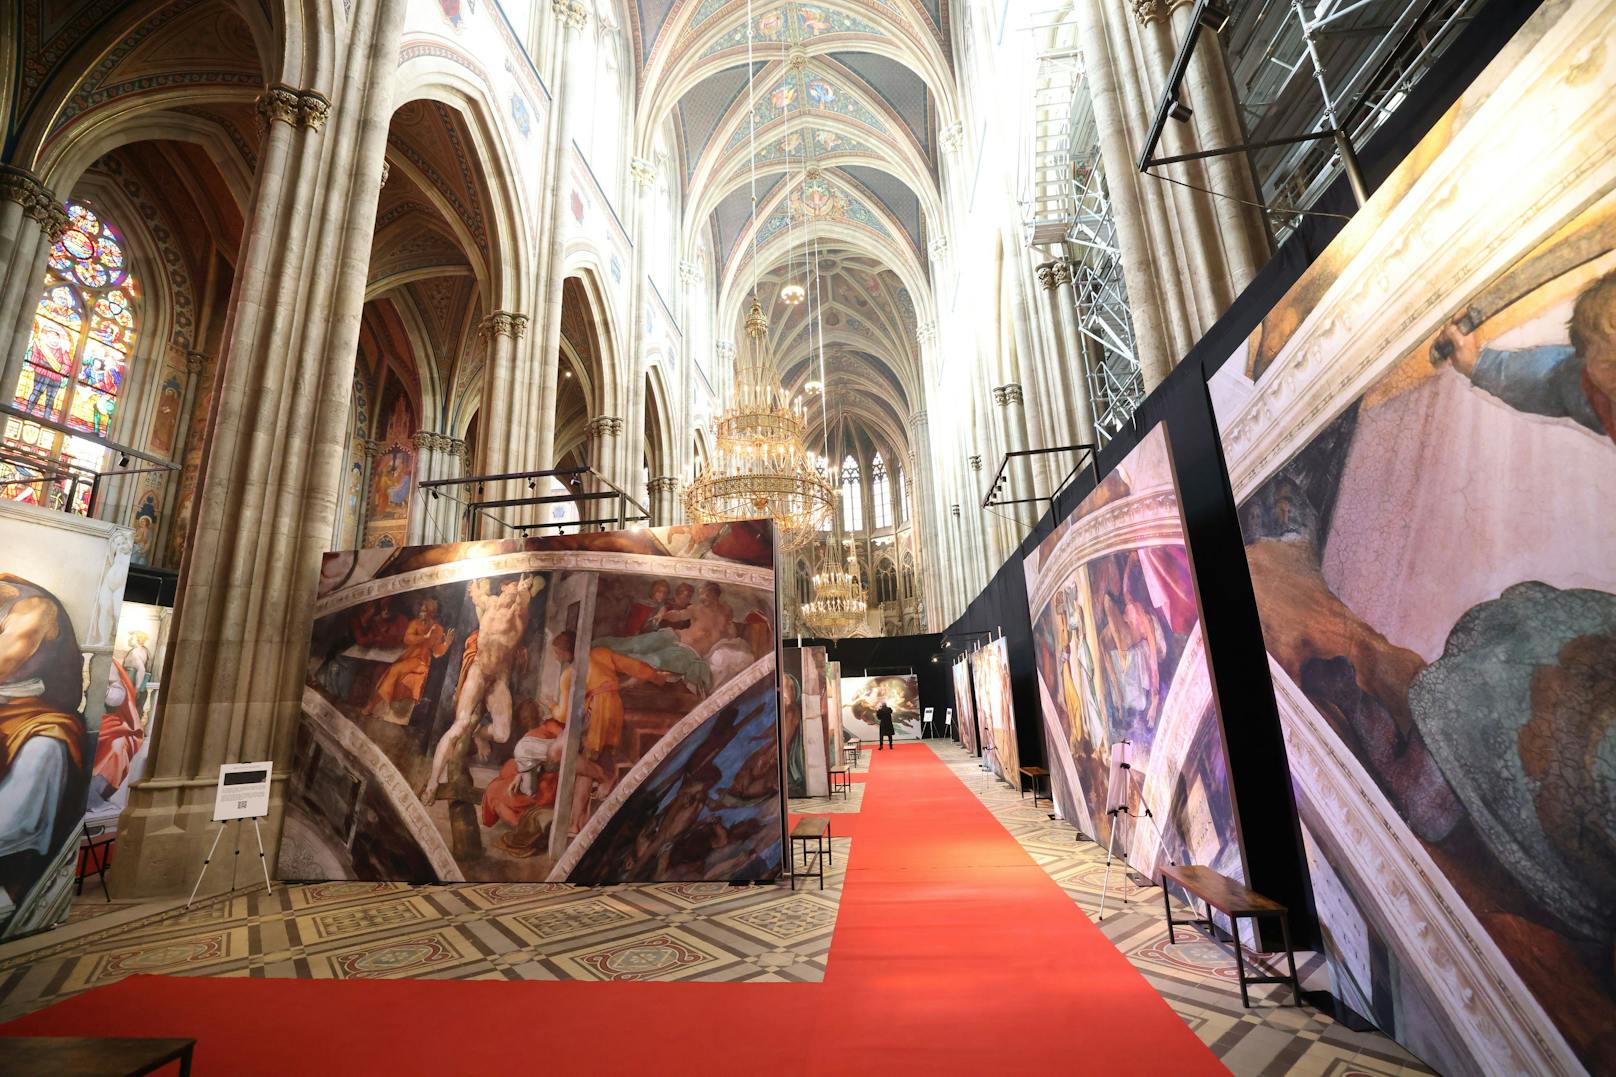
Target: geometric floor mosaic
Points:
x,y
1196,976
514,931
670,931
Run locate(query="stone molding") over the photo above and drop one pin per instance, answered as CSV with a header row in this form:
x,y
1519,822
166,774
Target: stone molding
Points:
x,y
38,202
429,441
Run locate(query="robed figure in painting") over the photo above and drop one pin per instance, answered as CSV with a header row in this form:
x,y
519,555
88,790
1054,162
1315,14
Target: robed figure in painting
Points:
x,y
42,750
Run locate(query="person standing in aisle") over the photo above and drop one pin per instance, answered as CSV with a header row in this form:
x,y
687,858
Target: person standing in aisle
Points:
x,y
883,715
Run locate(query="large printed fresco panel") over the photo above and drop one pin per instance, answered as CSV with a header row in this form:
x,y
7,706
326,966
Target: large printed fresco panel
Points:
x,y
964,705
802,721
61,586
995,710
1422,443
1121,660
863,696
448,733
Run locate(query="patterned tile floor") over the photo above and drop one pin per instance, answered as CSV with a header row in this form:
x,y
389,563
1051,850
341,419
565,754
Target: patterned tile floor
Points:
x,y
691,932
1196,976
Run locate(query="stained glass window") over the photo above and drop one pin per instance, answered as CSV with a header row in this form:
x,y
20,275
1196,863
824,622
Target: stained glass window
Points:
x,y
852,496
880,493
78,354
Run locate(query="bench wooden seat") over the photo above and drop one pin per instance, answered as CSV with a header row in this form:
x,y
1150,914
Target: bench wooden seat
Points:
x,y
94,1056
1234,900
816,829
850,749
1038,776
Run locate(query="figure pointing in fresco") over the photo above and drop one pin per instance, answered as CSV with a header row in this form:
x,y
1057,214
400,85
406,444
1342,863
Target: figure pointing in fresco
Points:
x,y
42,749
485,684
399,689
1575,381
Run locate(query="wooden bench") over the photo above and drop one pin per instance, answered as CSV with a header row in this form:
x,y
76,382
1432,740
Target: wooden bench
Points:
x,y
851,750
816,829
1037,775
1233,900
93,1056
841,781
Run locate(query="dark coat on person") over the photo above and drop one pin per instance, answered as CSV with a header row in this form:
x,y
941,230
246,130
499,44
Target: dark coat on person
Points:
x,y
883,715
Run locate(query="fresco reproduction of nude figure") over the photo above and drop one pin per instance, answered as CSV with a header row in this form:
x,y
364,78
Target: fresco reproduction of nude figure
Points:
x,y
590,708
1435,571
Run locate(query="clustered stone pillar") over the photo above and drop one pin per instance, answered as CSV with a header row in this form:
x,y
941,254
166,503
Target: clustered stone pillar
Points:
x,y
31,220
1013,421
603,431
1185,254
664,491
436,518
1056,278
276,441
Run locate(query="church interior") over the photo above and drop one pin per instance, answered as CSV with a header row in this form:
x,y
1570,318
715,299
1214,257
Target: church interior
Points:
x,y
578,515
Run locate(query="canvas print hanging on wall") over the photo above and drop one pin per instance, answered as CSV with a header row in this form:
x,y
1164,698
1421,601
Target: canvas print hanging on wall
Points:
x,y
588,708
863,696
1117,637
964,705
1422,441
995,713
61,585
802,721
129,711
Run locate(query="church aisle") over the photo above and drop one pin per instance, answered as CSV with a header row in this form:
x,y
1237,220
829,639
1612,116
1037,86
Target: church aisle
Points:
x,y
954,953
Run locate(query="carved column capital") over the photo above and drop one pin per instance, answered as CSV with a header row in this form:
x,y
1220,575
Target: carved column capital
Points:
x,y
605,426
573,15
504,323
953,510
1046,276
917,418
725,350
373,447
926,333
1062,271
953,137
663,484
643,171
431,441
387,170
689,273
278,104
976,463
313,109
38,203
197,362
1146,10
1007,394
938,246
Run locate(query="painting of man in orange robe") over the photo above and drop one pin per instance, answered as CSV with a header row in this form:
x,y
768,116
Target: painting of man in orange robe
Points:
x,y
399,689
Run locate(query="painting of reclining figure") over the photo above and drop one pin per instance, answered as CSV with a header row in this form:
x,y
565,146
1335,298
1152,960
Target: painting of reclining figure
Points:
x,y
586,708
1422,442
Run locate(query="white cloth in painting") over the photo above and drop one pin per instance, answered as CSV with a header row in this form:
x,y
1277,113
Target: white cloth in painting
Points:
x,y
29,795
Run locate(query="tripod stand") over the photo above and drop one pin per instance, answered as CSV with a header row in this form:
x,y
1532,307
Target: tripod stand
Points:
x,y
1118,796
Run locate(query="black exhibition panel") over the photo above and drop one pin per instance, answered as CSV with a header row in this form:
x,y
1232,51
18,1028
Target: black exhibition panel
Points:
x,y
1265,809
151,586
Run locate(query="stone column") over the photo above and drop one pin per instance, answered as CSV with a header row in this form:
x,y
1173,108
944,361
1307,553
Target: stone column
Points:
x,y
501,434
571,16
268,495
679,462
1075,372
928,521
435,519
31,219
604,431
1013,421
664,490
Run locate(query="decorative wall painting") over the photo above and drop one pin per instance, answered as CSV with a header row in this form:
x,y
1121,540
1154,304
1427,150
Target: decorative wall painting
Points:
x,y
1121,658
61,584
1422,442
965,705
129,711
802,721
996,716
833,712
863,696
446,737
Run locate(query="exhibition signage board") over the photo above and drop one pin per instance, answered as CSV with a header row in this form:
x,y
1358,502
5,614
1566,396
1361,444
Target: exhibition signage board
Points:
x,y
587,708
243,791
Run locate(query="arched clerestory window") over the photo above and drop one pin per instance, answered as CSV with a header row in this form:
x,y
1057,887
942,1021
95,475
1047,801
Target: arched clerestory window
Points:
x,y
880,494
852,496
78,353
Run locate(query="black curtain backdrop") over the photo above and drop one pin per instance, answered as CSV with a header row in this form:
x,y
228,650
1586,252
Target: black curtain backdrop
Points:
x,y
1258,769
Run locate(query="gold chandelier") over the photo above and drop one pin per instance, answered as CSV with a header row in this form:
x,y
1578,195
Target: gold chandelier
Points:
x,y
838,606
759,467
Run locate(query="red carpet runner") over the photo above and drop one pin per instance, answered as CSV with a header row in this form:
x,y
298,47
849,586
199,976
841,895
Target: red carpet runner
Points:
x,y
954,954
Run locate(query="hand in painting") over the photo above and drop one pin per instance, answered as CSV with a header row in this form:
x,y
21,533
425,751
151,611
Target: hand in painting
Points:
x,y
1457,347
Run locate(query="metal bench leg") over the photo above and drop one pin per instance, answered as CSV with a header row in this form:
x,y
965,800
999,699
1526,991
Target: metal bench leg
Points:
x,y
1167,906
1239,957
1290,956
